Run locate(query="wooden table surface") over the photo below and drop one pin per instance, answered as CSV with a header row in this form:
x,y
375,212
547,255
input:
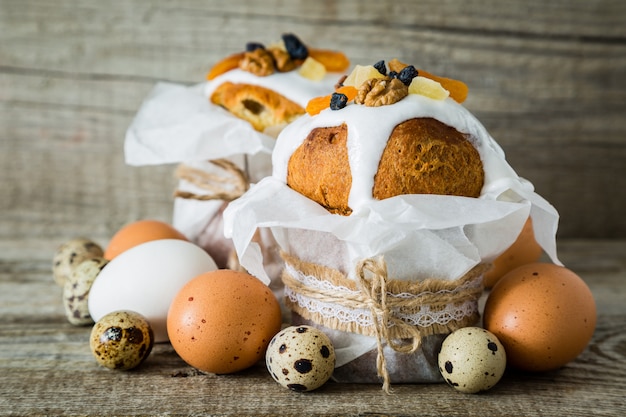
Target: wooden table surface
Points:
x,y
548,80
46,366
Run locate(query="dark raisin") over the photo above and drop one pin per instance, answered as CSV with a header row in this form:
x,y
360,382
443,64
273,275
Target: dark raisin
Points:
x,y
338,101
295,47
392,75
407,74
381,67
253,46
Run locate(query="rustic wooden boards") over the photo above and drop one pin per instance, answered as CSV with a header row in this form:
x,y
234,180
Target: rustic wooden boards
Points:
x,y
47,368
546,79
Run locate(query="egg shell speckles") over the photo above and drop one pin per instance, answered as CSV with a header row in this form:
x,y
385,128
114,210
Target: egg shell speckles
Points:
x,y
76,290
544,315
301,358
222,321
121,340
71,254
471,360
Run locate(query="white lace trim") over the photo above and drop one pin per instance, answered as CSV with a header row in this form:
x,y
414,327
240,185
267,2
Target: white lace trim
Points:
x,y
425,317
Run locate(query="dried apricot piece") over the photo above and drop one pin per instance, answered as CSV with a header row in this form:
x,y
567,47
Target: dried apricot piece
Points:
x,y
397,65
229,63
349,91
317,104
334,61
458,89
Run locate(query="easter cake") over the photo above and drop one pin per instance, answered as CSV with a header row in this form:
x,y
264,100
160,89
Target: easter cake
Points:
x,y
270,86
254,94
388,200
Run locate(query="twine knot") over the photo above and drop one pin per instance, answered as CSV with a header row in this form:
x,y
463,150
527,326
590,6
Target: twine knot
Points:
x,y
229,184
395,312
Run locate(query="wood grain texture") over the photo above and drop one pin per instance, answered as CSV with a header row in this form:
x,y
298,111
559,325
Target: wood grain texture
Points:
x,y
546,79
47,367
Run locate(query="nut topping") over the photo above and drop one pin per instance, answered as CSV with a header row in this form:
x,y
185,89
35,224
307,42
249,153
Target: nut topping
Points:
x,y
259,62
283,61
381,91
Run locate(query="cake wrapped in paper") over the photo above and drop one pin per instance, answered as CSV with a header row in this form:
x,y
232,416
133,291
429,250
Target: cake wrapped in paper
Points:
x,y
388,200
222,131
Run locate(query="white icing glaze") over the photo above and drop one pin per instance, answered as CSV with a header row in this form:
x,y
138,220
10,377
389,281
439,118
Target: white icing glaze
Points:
x,y
370,127
289,84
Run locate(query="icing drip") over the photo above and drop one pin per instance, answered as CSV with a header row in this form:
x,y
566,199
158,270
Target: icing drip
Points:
x,y
289,84
370,127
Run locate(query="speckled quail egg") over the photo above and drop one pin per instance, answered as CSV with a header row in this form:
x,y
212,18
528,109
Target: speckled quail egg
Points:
x,y
71,254
471,360
76,290
121,340
301,358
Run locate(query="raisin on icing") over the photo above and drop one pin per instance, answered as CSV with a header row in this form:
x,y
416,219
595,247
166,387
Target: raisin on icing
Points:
x,y
338,101
381,67
295,47
407,74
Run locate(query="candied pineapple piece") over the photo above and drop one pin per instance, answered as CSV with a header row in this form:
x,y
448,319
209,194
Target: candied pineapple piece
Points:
x,y
458,89
312,69
429,88
360,74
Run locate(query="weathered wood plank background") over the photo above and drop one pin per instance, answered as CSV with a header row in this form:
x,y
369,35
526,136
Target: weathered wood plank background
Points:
x,y
548,80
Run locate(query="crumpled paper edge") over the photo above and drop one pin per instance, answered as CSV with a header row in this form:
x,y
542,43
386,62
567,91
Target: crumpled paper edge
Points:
x,y
272,204
177,123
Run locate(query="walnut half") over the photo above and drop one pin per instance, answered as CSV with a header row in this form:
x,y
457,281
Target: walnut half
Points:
x,y
259,62
381,92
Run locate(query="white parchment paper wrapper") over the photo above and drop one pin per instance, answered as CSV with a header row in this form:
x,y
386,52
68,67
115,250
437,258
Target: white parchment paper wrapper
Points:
x,y
177,123
419,235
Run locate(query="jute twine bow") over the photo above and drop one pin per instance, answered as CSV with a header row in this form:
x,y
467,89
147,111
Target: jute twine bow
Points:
x,y
386,299
229,186
375,289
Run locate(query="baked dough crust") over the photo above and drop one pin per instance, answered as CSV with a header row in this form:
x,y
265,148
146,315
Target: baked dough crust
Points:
x,y
422,156
260,106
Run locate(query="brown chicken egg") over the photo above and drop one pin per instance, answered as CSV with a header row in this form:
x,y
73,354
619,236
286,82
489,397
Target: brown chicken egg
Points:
x,y
222,321
523,251
543,314
138,232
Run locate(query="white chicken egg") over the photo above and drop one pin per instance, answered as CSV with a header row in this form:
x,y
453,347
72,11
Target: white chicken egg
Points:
x,y
146,278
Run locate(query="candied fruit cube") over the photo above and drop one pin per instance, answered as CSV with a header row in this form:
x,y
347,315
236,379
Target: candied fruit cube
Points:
x,y
312,69
360,74
429,88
